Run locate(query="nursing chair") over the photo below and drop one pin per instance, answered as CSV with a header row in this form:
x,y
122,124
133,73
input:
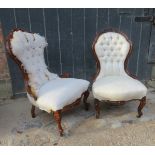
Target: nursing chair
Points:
x,y
112,82
45,90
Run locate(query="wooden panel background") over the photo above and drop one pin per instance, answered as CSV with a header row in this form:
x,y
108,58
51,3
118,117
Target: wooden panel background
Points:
x,y
70,33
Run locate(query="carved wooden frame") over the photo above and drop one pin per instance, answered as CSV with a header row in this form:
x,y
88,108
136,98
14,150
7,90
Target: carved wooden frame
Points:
x,y
56,114
96,101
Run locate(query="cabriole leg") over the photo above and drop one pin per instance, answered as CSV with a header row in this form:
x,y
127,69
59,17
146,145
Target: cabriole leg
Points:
x,y
141,106
86,104
33,111
57,117
97,107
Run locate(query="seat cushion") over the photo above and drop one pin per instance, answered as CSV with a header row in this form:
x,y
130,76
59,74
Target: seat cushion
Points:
x,y
118,88
56,94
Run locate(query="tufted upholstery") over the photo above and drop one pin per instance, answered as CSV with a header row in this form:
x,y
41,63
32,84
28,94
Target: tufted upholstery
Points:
x,y
53,93
111,49
112,82
29,49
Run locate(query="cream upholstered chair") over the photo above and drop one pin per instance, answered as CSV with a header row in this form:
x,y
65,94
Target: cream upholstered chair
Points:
x,y
45,90
113,82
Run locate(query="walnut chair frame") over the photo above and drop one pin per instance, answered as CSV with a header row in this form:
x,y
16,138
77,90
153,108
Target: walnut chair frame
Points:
x,y
57,114
98,66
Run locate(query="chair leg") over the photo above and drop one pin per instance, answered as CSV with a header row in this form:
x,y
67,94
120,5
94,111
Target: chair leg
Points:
x,y
86,104
141,106
33,111
57,117
97,107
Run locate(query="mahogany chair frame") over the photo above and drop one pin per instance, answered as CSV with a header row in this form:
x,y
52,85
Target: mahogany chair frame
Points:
x,y
57,114
98,66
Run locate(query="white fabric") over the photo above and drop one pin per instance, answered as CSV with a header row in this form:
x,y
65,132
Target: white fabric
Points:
x,y
113,83
58,93
118,88
53,92
111,49
29,49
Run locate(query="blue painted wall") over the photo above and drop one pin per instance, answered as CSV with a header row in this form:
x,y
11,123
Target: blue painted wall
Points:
x,y
70,33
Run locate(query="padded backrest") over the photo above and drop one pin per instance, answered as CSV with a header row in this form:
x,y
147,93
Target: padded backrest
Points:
x,y
111,49
29,49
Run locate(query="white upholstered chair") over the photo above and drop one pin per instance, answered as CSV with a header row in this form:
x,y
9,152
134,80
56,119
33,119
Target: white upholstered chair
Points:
x,y
113,82
45,90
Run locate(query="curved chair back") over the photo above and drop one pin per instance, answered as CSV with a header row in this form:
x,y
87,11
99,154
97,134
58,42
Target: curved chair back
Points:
x,y
111,49
27,49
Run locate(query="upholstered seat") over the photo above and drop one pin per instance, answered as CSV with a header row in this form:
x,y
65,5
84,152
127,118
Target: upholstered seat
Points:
x,y
58,93
112,81
45,90
118,88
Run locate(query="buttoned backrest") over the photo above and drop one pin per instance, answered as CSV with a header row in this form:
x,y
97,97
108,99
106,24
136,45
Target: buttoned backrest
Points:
x,y
29,49
111,49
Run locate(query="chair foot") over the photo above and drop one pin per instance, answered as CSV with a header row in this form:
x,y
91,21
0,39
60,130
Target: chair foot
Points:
x,y
141,106
86,104
33,111
97,107
57,117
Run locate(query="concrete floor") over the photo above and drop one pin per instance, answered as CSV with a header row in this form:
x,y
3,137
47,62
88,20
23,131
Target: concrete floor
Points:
x,y
5,88
118,125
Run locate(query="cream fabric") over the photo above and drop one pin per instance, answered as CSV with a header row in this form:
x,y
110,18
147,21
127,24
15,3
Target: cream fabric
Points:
x,y
113,83
58,93
111,49
53,92
118,88
29,49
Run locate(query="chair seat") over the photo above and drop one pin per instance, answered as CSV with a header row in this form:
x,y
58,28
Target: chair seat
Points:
x,y
118,88
56,94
